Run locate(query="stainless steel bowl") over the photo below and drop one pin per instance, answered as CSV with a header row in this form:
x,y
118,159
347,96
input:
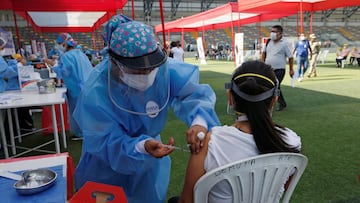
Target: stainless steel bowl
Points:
x,y
46,86
35,181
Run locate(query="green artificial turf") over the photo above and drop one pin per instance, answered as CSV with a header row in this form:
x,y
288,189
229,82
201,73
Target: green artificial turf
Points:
x,y
324,111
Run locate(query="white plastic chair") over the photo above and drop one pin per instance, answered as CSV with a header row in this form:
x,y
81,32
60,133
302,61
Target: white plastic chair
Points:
x,y
257,179
322,55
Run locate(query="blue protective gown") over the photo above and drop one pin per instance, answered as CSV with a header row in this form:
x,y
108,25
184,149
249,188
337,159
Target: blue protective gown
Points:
x,y
111,134
8,71
13,81
74,68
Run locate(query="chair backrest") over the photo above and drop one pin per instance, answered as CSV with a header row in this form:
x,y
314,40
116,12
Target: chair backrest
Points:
x,y
322,55
256,179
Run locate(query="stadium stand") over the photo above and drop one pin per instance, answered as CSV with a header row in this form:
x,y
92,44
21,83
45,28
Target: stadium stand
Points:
x,y
336,29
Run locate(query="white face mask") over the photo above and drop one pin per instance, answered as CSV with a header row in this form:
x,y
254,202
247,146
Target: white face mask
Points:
x,y
140,82
273,35
302,38
60,48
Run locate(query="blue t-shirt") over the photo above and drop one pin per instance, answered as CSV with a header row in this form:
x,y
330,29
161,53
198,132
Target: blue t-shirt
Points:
x,y
302,47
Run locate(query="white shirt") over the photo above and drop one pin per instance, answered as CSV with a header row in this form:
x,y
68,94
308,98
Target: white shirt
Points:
x,y
228,144
178,53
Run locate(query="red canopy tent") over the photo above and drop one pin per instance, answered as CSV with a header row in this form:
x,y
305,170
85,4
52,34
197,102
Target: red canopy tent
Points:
x,y
64,15
249,11
274,6
221,17
293,5
224,16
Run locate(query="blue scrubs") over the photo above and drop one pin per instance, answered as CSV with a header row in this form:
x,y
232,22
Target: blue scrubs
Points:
x,y
111,134
8,71
74,68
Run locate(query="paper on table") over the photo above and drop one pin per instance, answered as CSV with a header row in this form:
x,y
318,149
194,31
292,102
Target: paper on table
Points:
x,y
10,175
9,98
28,78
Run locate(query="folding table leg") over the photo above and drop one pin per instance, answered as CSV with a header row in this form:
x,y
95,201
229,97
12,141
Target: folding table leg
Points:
x,y
17,125
3,136
56,135
62,125
11,130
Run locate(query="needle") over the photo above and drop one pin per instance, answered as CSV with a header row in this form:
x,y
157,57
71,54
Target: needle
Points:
x,y
200,135
177,148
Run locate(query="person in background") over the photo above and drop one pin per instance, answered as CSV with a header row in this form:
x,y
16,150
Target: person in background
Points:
x,y
315,48
355,54
124,107
22,52
341,55
53,55
13,81
20,60
275,54
178,52
252,93
89,54
345,52
7,70
73,68
9,81
169,46
303,53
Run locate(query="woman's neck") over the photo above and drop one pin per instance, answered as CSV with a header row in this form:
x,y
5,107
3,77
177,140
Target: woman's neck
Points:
x,y
242,124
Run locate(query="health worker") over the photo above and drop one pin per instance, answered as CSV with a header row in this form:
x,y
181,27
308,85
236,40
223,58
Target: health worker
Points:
x,y
73,68
124,107
8,71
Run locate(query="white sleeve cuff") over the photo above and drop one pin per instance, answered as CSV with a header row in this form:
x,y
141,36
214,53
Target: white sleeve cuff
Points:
x,y
199,121
140,147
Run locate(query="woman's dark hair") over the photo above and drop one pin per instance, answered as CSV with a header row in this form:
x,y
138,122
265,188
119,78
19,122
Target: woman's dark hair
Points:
x,y
254,85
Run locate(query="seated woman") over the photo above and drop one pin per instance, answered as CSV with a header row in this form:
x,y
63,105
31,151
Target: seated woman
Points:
x,y
339,57
252,95
355,54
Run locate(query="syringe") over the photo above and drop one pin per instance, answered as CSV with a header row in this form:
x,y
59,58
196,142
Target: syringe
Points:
x,y
177,148
200,135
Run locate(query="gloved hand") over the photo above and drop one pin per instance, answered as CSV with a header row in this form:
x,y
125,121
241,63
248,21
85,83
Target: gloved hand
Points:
x,y
12,62
195,136
157,149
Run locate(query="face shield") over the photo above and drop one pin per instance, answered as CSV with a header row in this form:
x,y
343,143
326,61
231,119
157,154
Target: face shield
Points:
x,y
140,79
60,47
138,91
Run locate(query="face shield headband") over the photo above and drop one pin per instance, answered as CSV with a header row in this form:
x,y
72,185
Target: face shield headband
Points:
x,y
254,98
133,91
147,61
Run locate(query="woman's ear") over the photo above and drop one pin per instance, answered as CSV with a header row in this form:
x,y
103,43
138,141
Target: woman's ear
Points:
x,y
273,102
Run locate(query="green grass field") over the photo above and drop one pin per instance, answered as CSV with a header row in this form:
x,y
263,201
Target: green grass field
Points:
x,y
324,111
